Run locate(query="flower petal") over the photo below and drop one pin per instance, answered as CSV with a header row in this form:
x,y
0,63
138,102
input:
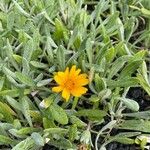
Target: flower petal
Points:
x,y
83,75
61,74
58,79
82,80
74,72
77,71
67,71
66,94
79,91
57,89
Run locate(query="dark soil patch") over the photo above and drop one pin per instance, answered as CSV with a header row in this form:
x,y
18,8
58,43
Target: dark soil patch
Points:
x,y
118,146
49,147
141,97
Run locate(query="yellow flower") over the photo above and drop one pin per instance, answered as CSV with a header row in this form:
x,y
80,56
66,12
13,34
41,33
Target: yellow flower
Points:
x,y
71,83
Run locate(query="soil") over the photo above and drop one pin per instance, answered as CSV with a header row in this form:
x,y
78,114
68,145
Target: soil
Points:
x,y
49,147
118,146
141,97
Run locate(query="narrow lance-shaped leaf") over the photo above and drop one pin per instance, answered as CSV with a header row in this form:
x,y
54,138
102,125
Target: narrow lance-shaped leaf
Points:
x,y
25,110
26,144
135,125
61,57
38,64
130,68
59,114
6,140
131,104
37,138
9,52
7,112
25,79
117,65
21,10
143,83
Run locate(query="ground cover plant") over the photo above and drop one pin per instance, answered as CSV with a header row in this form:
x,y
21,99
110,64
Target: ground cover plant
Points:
x,y
68,73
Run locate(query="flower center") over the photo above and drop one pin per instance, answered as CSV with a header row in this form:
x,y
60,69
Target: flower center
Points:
x,y
69,84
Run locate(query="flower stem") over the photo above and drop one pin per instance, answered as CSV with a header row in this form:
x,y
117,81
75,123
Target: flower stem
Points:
x,y
75,102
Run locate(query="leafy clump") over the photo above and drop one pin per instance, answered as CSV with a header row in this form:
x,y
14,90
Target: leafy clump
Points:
x,y
107,40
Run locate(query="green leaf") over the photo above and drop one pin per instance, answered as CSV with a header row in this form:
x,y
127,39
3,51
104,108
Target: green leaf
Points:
x,y
38,64
117,65
47,102
60,30
127,134
28,50
100,83
96,67
127,82
38,139
62,143
39,77
7,112
9,72
124,140
143,83
25,110
18,58
25,79
13,81
130,25
10,20
121,31
104,94
47,123
61,57
9,52
110,55
21,10
72,132
92,113
130,68
138,56
6,140
14,92
102,52
6,126
111,20
17,124
140,115
145,11
44,82
26,67
59,114
49,44
77,121
131,104
26,144
89,50
27,130
136,125
2,81
56,131
36,116
144,71
14,132
94,98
